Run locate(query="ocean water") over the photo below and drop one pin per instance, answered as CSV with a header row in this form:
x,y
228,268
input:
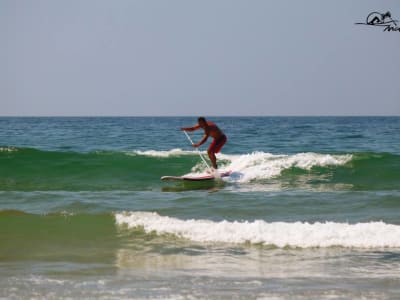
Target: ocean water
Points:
x,y
311,210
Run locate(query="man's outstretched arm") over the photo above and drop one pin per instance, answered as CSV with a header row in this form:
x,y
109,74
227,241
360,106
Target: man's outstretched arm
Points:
x,y
191,128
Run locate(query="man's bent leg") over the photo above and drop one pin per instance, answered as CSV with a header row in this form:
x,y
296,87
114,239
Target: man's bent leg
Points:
x,y
213,159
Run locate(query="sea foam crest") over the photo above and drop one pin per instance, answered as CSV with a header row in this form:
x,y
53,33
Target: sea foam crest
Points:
x,y
161,153
280,234
260,165
8,149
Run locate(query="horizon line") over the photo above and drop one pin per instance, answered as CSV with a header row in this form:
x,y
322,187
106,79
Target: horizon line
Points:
x,y
181,116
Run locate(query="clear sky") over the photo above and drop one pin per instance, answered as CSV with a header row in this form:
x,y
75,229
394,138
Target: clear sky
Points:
x,y
209,57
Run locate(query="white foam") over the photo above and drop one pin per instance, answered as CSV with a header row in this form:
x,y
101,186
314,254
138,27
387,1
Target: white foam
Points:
x,y
261,165
8,149
280,234
166,153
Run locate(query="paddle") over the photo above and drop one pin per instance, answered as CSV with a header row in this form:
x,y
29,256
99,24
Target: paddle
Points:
x,y
198,151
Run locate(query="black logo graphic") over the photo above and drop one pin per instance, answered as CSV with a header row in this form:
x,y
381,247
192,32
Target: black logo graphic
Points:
x,y
381,20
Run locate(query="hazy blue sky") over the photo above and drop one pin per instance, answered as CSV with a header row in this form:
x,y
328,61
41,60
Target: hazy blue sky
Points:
x,y
127,57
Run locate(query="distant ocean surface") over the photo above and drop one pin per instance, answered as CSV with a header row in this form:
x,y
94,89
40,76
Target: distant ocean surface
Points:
x,y
311,210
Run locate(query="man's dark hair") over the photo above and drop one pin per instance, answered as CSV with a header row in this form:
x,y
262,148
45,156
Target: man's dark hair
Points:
x,y
201,119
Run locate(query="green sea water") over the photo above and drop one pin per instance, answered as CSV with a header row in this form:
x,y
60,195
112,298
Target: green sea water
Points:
x,y
309,212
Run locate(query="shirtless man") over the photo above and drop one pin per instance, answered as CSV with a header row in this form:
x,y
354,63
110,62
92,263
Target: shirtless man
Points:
x,y
210,129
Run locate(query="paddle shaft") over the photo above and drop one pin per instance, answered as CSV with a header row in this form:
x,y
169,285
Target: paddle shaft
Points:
x,y
198,151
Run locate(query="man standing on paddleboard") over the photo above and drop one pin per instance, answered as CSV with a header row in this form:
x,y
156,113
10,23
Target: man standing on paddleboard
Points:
x,y
210,129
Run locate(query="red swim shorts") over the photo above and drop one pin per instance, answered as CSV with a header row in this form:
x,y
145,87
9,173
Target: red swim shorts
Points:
x,y
217,144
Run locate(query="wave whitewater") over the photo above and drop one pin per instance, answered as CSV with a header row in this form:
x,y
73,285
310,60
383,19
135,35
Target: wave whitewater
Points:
x,y
260,165
28,169
279,234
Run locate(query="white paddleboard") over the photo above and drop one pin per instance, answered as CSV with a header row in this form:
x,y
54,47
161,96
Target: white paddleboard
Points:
x,y
197,177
